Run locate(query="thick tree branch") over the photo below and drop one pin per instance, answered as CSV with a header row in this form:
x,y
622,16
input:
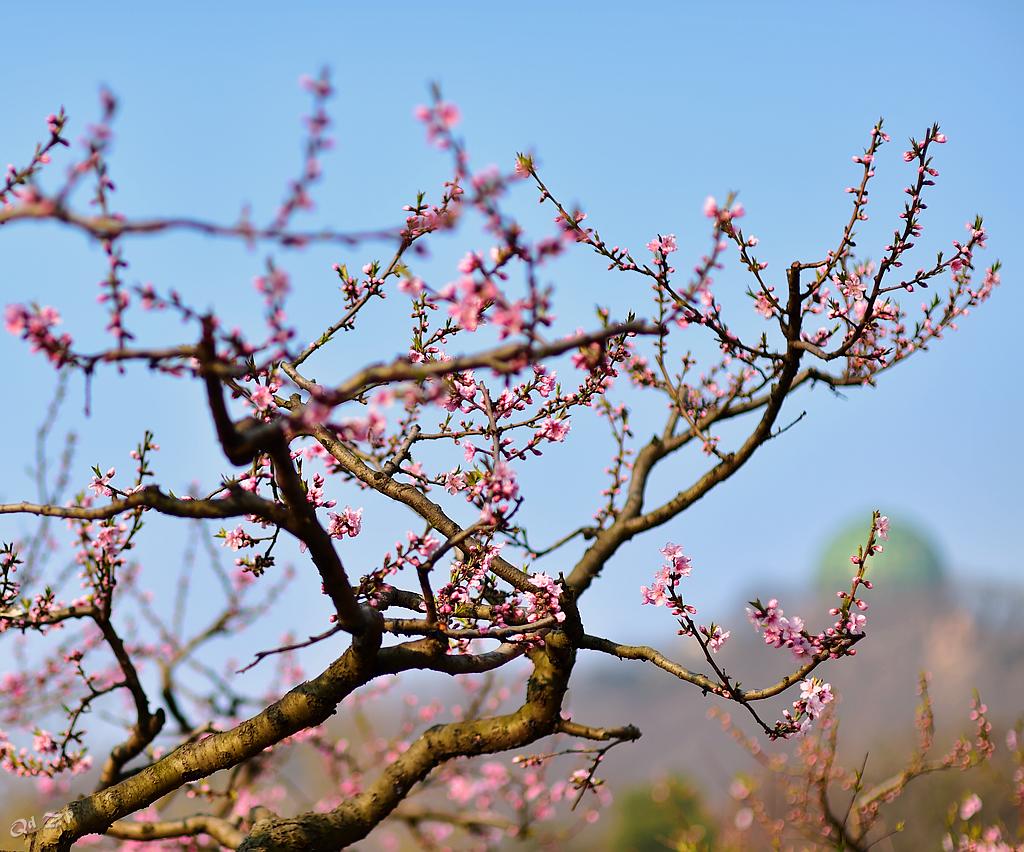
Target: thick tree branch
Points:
x,y
307,705
355,818
305,525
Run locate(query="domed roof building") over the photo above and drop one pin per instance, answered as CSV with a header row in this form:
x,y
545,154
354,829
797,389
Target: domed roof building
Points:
x,y
910,560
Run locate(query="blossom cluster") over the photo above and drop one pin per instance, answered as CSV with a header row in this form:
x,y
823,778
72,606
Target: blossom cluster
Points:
x,y
815,695
677,566
545,601
35,324
348,523
47,758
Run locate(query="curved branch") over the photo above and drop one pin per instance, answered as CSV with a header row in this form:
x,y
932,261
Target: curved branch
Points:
x,y
502,359
307,705
147,724
111,227
355,818
433,654
630,523
304,524
221,830
574,729
151,497
651,655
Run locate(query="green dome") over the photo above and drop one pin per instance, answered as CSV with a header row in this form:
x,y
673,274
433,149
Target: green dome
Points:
x,y
910,558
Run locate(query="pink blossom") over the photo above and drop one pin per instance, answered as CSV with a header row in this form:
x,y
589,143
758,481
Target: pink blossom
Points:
x,y
970,806
320,87
713,211
680,563
852,286
815,696
36,326
677,566
274,286
882,527
439,119
666,244
15,687
523,165
82,763
545,382
763,305
466,311
43,742
447,114
545,600
553,430
14,319
454,481
717,638
412,286
508,319
782,632
507,403
100,484
262,398
348,523
237,538
315,492
469,263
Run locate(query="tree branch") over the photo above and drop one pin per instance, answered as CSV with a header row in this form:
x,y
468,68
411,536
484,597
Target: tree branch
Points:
x,y
354,819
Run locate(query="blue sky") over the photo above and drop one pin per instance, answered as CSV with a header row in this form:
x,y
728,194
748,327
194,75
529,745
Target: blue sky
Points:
x,y
635,111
